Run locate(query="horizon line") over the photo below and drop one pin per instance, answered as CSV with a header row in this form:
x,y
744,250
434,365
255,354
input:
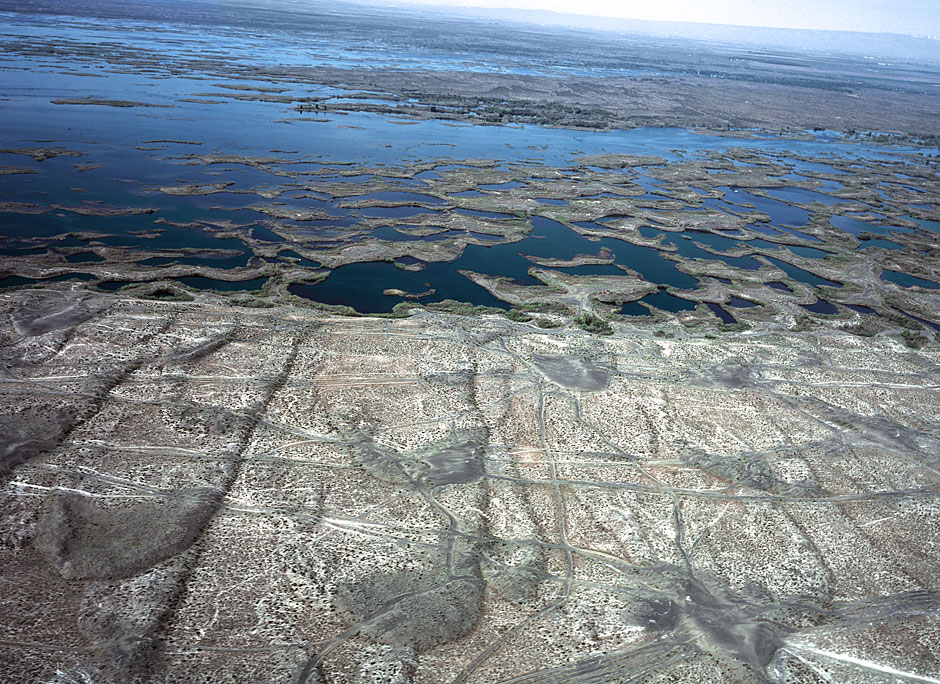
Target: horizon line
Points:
x,y
470,6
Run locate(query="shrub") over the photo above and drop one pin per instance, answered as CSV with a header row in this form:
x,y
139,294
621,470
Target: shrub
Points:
x,y
593,324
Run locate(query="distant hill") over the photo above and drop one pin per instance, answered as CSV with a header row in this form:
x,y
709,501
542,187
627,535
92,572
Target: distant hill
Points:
x,y
876,45
392,16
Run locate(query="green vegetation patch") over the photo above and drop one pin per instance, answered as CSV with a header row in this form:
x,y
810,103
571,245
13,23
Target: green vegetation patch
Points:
x,y
593,324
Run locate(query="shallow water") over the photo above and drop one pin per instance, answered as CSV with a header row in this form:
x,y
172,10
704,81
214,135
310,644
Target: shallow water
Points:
x,y
110,137
361,285
668,302
906,280
236,261
201,283
821,306
84,258
739,303
780,212
856,226
634,309
861,308
877,242
18,281
721,313
799,274
802,196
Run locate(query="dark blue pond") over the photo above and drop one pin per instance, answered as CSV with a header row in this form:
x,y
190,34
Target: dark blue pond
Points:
x,y
802,196
236,261
739,303
394,212
299,260
857,226
394,235
930,324
780,213
932,226
692,251
721,313
905,280
392,196
508,185
635,309
668,302
360,287
19,281
821,306
362,284
22,251
485,214
201,283
808,252
878,242
685,244
265,234
861,308
83,258
799,274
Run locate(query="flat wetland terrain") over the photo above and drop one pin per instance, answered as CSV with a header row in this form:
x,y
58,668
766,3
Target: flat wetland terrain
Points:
x,y
377,346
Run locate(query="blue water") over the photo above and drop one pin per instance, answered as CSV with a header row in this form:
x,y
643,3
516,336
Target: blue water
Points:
x,y
721,313
867,310
298,259
692,251
821,306
508,185
362,284
780,212
393,235
668,302
84,258
236,261
395,212
825,186
201,283
932,226
935,326
109,137
857,226
739,303
802,196
808,252
18,281
877,242
906,280
388,196
634,309
777,285
799,274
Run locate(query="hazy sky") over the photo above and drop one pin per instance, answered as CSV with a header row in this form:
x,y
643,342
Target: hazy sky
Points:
x,y
917,17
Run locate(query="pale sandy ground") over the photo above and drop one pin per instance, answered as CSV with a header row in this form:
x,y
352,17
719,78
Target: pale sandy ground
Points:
x,y
198,493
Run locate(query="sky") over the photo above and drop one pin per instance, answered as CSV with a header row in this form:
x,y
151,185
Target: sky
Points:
x,y
913,17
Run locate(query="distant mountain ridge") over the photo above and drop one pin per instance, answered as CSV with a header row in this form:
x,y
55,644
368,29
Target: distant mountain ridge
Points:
x,y
875,45
882,47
